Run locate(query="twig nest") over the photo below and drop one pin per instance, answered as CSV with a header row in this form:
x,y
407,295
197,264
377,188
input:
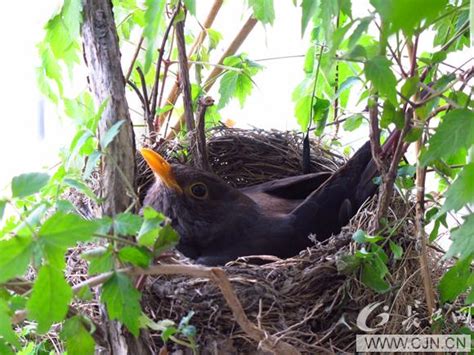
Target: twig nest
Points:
x,y
310,301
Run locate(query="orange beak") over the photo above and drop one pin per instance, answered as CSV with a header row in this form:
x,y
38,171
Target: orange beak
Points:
x,y
161,168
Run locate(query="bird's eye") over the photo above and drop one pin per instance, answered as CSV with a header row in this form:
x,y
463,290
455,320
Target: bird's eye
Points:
x,y
199,190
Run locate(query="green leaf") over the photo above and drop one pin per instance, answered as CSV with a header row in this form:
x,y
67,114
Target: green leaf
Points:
x,y
302,111
353,122
191,6
81,187
462,245
91,164
99,261
167,239
359,236
15,255
457,128
50,298
110,134
65,230
454,281
150,228
373,277
263,10
27,184
378,71
77,338
396,249
320,112
309,60
308,8
3,204
122,301
410,86
127,224
359,31
461,191
214,38
154,11
6,330
408,15
137,256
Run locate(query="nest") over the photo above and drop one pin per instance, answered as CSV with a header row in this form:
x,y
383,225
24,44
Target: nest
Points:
x,y
309,301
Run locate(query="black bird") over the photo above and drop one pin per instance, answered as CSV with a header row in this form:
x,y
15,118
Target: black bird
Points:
x,y
218,223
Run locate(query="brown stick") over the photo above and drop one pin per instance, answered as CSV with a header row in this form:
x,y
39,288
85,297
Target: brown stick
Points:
x,y
184,80
175,91
233,47
200,156
134,58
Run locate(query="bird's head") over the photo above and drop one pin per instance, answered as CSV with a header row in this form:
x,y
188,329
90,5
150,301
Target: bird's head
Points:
x,y
200,204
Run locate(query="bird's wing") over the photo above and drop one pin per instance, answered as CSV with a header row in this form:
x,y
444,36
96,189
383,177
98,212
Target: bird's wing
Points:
x,y
293,187
283,195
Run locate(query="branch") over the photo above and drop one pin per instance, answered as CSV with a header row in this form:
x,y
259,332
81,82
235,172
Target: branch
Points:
x,y
200,156
233,47
184,80
174,93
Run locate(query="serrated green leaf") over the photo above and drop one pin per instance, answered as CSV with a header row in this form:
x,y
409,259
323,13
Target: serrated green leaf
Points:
x,y
122,301
127,224
99,264
378,71
65,230
154,11
462,245
6,330
461,191
137,256
345,85
150,228
214,38
353,122
49,299
454,281
15,255
110,134
27,184
396,249
406,15
263,10
167,239
457,128
77,338
308,9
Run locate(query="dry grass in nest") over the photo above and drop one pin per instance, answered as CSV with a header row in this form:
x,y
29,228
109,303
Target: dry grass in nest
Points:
x,y
306,300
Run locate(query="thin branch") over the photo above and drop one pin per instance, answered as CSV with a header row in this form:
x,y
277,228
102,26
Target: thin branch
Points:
x,y
184,80
233,47
174,92
134,58
154,90
200,156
